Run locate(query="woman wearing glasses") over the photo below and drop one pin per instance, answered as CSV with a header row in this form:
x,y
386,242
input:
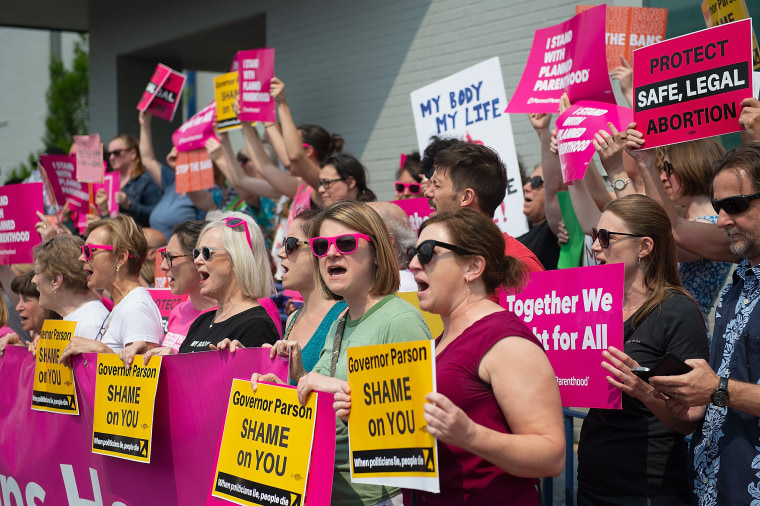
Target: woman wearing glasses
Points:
x,y
638,455
353,260
408,178
497,414
113,253
343,177
138,193
30,313
233,265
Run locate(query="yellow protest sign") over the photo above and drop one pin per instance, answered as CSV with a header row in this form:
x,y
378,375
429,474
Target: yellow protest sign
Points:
x,y
266,446
226,92
54,388
718,12
434,322
122,423
386,429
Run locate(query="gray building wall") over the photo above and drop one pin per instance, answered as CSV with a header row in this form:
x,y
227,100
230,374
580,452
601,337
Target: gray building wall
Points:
x,y
348,66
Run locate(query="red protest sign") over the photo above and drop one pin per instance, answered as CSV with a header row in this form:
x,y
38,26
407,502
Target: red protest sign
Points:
x,y
194,171
630,28
568,57
166,99
255,71
159,77
691,87
89,158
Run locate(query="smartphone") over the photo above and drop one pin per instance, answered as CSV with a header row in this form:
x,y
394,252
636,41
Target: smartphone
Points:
x,y
669,365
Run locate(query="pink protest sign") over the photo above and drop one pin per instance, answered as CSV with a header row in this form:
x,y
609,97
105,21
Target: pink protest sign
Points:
x,y
159,77
418,211
49,456
60,171
19,204
691,87
194,133
166,99
255,71
575,132
165,300
89,158
110,185
568,57
576,314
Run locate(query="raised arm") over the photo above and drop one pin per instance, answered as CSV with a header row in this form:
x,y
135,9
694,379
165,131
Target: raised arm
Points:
x,y
147,154
750,120
551,169
624,75
610,146
278,180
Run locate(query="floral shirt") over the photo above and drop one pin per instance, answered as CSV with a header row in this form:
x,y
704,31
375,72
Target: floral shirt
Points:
x,y
726,448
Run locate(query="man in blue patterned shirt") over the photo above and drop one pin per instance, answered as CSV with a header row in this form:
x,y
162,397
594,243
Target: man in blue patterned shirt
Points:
x,y
725,393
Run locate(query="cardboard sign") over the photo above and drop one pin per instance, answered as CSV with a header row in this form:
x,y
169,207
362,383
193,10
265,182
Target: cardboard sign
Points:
x,y
194,133
54,388
576,314
387,442
194,170
266,446
630,28
165,300
124,401
159,78
575,132
255,71
691,87
18,237
468,105
719,12
568,57
226,93
418,210
90,168
166,99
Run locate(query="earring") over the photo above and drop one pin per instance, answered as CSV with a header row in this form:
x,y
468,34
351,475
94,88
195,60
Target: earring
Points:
x,y
117,268
641,266
55,291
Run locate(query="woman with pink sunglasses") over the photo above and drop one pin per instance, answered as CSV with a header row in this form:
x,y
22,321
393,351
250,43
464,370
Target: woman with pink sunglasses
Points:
x,y
113,253
353,260
408,183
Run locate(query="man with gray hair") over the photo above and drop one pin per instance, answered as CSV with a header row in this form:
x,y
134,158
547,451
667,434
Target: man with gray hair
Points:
x,y
402,237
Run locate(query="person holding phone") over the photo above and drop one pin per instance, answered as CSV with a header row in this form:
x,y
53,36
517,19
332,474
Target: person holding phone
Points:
x,y
638,455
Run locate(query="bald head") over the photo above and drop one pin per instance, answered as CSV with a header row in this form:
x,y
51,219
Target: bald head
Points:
x,y
155,241
399,227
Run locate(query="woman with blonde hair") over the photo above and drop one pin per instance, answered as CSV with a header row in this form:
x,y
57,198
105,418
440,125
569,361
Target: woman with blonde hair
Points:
x,y
138,194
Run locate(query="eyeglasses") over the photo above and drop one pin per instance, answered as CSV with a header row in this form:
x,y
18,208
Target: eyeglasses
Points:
x,y
345,244
117,152
206,251
236,222
87,250
426,249
414,188
667,167
603,236
169,258
327,182
734,205
535,182
291,243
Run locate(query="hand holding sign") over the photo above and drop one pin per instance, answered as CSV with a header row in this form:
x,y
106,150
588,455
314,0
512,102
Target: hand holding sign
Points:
x,y
635,146
624,75
750,119
447,422
342,404
610,148
277,90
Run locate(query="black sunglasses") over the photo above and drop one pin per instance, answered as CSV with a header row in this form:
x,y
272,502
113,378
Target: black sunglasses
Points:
x,y
206,252
414,188
603,236
535,182
734,205
117,152
668,168
291,243
169,258
426,249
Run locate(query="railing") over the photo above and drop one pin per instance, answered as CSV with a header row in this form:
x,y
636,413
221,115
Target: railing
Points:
x,y
548,483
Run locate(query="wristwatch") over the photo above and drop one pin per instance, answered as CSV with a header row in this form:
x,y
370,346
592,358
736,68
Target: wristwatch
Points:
x,y
620,183
720,396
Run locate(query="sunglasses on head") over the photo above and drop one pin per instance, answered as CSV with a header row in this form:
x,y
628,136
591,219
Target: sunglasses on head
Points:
x,y
603,236
734,205
237,222
169,258
345,243
414,188
291,243
426,249
206,251
535,182
88,250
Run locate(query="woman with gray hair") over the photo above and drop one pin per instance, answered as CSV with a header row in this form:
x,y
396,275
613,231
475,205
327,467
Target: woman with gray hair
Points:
x,y
234,269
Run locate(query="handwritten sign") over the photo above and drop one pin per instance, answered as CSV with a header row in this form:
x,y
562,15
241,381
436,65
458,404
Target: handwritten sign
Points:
x,y
576,314
89,158
226,92
266,445
575,132
630,28
194,132
54,388
568,57
124,401
387,445
691,87
719,12
159,78
194,171
166,99
255,71
468,105
18,237
165,300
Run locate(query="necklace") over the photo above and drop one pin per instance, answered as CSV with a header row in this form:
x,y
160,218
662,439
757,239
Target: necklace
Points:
x,y
634,307
225,314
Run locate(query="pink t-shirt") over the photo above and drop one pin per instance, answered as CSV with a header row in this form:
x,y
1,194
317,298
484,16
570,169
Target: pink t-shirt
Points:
x,y
180,319
273,313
